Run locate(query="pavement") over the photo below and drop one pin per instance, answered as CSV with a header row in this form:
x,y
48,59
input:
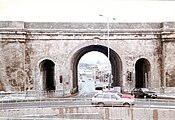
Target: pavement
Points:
x,y
166,96
87,90
166,93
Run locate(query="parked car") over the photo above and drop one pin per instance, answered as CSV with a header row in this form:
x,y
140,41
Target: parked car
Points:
x,y
99,86
123,95
143,92
110,99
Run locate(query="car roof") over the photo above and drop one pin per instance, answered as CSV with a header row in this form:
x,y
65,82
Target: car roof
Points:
x,y
141,88
108,93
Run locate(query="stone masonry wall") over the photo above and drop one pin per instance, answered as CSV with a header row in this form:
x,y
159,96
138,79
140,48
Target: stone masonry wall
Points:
x,y
168,38
24,45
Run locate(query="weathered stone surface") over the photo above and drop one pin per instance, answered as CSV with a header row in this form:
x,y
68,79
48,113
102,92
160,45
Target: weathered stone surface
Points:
x,y
25,45
12,24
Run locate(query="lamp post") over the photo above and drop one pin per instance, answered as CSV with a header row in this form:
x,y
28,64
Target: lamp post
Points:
x,y
107,21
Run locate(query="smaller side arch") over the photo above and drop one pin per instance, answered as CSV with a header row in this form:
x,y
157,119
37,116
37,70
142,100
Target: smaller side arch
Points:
x,y
37,74
47,70
142,73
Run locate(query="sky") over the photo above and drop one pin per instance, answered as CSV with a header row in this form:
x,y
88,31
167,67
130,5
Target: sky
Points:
x,y
87,11
94,57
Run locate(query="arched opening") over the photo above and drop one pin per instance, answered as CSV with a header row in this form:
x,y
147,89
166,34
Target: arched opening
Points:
x,y
93,70
116,65
142,68
47,71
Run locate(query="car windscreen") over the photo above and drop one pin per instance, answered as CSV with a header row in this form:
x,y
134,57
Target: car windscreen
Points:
x,y
145,89
98,96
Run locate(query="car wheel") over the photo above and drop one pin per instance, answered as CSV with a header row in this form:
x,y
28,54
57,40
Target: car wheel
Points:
x,y
126,105
154,97
100,104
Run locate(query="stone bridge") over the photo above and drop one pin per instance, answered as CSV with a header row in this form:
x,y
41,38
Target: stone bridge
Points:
x,y
45,55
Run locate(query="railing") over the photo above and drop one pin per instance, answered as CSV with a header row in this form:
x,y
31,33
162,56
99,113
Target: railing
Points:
x,y
83,101
44,102
155,103
32,94
41,108
38,108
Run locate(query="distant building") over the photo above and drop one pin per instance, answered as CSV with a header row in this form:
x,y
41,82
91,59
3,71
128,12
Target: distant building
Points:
x,y
97,72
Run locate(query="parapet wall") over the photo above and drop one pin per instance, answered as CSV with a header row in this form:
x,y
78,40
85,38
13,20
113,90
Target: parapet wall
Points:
x,y
85,25
93,113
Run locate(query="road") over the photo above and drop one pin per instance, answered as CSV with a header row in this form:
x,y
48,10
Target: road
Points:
x,y
82,102
155,103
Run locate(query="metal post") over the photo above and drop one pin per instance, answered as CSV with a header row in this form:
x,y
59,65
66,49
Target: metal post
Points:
x,y
107,18
63,80
95,74
108,54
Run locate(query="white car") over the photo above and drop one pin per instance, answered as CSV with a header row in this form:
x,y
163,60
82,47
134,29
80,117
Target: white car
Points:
x,y
110,99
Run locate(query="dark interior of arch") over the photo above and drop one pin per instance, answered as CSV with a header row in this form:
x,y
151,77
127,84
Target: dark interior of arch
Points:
x,y
47,70
142,69
114,59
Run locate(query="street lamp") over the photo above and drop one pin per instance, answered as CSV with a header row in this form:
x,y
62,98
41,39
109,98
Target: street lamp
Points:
x,y
109,77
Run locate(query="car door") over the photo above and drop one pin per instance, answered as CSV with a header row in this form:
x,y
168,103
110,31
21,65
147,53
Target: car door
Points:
x,y
137,92
97,98
116,100
141,93
107,99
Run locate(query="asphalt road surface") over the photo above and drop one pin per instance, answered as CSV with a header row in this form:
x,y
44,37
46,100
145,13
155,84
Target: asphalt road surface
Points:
x,y
82,102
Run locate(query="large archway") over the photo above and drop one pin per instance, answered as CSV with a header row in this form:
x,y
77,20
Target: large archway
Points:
x,y
116,65
47,71
142,75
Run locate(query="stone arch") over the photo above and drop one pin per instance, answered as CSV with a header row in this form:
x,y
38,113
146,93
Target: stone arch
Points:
x,y
47,69
37,73
142,73
116,64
